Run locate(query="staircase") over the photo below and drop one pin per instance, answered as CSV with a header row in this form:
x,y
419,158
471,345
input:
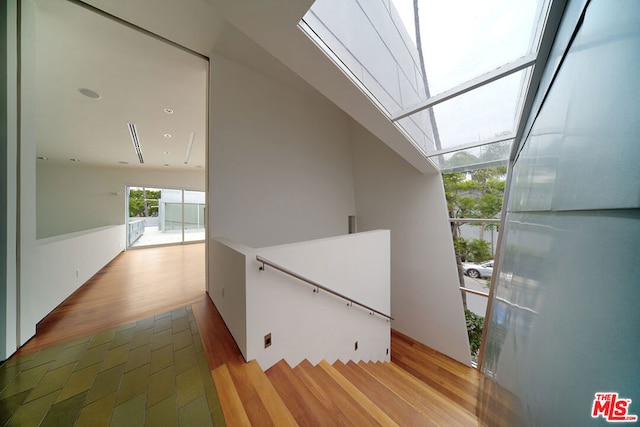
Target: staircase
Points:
x,y
422,387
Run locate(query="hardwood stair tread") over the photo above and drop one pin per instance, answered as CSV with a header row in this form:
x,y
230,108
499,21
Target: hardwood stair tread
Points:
x,y
299,399
277,410
337,402
253,404
393,405
232,406
423,398
371,408
449,380
458,371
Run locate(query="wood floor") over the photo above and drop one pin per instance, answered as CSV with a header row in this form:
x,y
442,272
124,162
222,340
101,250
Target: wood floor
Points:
x,y
137,284
419,387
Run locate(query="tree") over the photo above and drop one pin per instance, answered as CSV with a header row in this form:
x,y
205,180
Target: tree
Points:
x,y
143,202
475,194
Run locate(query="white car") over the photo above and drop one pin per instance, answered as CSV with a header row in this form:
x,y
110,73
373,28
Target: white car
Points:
x,y
484,269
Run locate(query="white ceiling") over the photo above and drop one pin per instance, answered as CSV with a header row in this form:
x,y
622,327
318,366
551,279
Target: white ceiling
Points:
x,y
137,77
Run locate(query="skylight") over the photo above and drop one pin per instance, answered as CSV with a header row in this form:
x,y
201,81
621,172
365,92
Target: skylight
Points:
x,y
456,84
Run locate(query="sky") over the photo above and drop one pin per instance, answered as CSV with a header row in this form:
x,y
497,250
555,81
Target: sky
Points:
x,y
461,40
465,38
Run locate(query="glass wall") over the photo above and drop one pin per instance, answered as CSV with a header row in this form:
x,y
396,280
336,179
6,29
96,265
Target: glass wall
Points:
x,y
563,324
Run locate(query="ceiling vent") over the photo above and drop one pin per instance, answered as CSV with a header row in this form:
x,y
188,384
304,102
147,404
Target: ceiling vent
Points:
x,y
136,142
192,135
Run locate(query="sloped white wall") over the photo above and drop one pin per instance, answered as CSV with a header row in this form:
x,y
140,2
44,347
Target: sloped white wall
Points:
x,y
392,194
279,160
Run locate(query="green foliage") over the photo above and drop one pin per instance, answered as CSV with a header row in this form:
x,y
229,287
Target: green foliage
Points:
x,y
475,324
478,250
489,155
461,245
474,250
143,202
476,194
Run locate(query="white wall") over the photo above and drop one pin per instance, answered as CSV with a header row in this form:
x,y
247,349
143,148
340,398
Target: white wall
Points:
x,y
60,265
9,157
287,166
304,324
26,283
390,193
227,286
76,197
279,160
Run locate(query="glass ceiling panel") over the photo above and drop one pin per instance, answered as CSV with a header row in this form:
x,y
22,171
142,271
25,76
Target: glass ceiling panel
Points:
x,y
463,39
480,115
375,42
373,46
485,156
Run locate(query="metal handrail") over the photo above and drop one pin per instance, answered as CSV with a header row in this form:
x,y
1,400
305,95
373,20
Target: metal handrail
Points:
x,y
473,291
317,285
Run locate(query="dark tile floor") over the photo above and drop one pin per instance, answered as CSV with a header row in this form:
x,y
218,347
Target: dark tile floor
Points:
x,y
152,372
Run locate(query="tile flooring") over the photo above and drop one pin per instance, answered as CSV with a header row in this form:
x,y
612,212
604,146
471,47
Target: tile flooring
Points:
x,y
152,372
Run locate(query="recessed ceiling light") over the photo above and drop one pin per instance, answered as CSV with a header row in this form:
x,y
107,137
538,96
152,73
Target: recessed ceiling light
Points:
x,y
74,159
165,152
42,158
89,93
167,135
168,110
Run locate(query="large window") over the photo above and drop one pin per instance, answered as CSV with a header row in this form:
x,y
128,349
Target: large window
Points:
x,y
160,216
451,75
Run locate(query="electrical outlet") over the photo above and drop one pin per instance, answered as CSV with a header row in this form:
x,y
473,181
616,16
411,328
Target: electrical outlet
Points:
x,y
267,340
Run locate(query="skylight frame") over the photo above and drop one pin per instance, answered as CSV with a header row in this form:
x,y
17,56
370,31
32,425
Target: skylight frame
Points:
x,y
426,139
468,86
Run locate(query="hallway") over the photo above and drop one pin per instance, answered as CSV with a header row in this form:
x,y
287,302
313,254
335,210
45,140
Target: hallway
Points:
x,y
135,285
124,348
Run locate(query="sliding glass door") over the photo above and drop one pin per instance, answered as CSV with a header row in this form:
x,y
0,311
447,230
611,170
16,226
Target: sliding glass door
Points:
x,y
164,216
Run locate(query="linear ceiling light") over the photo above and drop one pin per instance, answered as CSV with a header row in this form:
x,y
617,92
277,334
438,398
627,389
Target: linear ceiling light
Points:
x,y
136,142
192,135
